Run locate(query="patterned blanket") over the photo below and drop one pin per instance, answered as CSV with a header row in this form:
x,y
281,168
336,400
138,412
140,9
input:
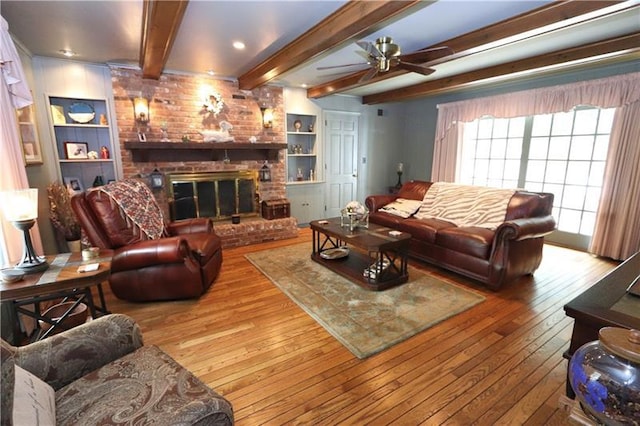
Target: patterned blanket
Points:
x,y
138,206
465,205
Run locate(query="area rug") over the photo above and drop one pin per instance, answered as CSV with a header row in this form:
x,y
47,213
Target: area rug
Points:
x,y
364,321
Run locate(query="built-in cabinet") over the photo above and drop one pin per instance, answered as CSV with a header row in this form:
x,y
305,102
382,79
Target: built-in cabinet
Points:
x,y
302,149
82,140
307,202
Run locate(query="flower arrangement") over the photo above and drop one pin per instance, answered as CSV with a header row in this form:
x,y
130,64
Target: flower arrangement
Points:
x,y
214,103
355,207
61,214
354,215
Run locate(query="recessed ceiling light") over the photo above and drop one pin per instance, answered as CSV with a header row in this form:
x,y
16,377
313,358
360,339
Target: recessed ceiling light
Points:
x,y
68,53
303,85
211,72
238,45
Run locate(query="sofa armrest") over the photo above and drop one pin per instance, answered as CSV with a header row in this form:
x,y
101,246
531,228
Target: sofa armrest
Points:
x,y
65,357
190,226
150,253
526,227
376,202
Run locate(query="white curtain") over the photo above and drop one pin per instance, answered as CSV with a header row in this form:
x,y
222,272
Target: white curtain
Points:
x,y
611,92
14,93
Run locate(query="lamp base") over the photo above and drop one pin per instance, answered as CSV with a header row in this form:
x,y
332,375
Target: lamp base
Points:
x,y
31,267
399,184
31,263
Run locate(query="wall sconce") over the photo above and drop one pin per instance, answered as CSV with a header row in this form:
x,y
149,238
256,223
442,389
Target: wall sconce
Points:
x,y
157,179
267,117
141,110
22,213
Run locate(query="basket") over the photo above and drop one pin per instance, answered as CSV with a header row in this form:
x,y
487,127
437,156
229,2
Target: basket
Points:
x,y
76,317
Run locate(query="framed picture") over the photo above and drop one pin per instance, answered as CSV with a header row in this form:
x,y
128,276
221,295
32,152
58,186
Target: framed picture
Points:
x,y
29,136
73,184
76,150
142,137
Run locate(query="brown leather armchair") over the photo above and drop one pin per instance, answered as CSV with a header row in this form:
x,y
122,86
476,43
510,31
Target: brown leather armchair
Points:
x,y
180,263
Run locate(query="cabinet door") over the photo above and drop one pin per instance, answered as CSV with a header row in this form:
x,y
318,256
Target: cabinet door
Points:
x,y
306,202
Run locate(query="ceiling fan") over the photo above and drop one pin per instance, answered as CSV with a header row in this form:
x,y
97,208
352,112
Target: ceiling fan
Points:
x,y
383,55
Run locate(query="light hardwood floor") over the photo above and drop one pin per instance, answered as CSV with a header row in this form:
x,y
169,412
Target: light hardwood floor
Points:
x,y
497,363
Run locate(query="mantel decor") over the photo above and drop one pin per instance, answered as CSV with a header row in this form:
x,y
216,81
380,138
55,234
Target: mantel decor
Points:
x,y
149,152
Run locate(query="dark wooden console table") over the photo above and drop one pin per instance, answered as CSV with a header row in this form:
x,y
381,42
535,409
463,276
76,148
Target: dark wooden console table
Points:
x,y
606,304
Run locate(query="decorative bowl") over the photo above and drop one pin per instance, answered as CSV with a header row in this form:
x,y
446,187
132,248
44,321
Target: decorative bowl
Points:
x,y
11,275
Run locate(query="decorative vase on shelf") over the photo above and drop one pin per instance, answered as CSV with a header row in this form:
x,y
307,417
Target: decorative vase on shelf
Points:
x,y
605,376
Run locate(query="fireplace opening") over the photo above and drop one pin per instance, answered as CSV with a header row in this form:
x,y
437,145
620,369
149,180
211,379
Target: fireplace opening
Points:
x,y
217,195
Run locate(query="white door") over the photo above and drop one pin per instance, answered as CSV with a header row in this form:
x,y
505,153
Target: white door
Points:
x,y
341,166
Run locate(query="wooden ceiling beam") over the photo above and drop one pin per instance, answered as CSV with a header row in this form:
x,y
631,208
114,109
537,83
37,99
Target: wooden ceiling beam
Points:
x,y
469,43
351,20
160,23
628,45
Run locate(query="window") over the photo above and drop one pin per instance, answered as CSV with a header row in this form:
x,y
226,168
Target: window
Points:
x,y
562,153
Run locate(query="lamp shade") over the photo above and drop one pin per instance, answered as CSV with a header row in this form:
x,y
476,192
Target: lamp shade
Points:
x,y
141,109
20,204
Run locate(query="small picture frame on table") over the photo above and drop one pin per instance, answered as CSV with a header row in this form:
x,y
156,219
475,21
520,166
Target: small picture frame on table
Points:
x,y
142,137
76,150
73,184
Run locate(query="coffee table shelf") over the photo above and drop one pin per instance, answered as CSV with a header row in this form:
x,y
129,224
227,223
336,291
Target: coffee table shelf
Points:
x,y
368,246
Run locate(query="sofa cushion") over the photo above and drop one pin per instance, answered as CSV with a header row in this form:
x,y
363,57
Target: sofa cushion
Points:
x,y
414,190
204,245
34,400
386,219
402,207
472,240
143,387
7,365
423,229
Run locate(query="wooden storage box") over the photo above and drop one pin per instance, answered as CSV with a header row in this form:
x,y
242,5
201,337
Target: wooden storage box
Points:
x,y
276,209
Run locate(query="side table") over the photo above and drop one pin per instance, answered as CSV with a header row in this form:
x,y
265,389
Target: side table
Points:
x,y
61,281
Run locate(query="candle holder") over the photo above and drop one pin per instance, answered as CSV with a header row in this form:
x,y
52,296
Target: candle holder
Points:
x,y
399,184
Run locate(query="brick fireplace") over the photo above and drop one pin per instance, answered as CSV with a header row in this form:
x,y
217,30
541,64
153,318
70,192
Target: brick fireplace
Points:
x,y
175,103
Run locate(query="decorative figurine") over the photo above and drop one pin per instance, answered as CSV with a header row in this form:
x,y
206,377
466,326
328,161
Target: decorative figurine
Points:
x,y
104,153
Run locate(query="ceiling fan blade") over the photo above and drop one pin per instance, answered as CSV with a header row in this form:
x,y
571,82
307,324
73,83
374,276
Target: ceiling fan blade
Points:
x,y
427,55
342,66
369,75
420,69
370,48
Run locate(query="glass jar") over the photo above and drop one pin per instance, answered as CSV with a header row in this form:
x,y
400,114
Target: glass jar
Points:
x,y
605,376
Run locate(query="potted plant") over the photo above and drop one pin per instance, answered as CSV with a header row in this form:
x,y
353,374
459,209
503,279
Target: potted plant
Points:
x,y
62,216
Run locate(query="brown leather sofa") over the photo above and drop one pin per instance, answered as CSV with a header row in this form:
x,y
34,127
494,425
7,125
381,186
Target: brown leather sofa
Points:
x,y
494,257
181,265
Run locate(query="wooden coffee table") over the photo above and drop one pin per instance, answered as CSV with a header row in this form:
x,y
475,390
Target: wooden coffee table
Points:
x,y
60,281
367,247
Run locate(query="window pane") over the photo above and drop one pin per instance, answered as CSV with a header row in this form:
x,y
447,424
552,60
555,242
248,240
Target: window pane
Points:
x,y
581,148
535,171
601,147
482,169
596,174
569,221
574,197
559,148
484,128
538,148
578,172
512,170
500,127
592,199
483,148
556,171
588,223
586,122
541,125
514,148
562,123
516,127
533,186
496,168
498,148
556,190
606,120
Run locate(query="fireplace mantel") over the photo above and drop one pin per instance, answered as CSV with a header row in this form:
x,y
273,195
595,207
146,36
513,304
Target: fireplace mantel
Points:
x,y
146,152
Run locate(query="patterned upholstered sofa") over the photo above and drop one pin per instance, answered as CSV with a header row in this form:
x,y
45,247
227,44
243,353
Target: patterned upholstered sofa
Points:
x,y
511,246
102,374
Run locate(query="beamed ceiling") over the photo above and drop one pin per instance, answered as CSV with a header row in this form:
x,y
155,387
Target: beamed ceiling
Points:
x,y
288,41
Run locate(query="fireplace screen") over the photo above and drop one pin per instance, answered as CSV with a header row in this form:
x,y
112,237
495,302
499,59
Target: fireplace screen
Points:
x,y
217,195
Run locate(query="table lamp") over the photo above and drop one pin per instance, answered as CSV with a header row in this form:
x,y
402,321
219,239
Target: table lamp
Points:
x,y
21,209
